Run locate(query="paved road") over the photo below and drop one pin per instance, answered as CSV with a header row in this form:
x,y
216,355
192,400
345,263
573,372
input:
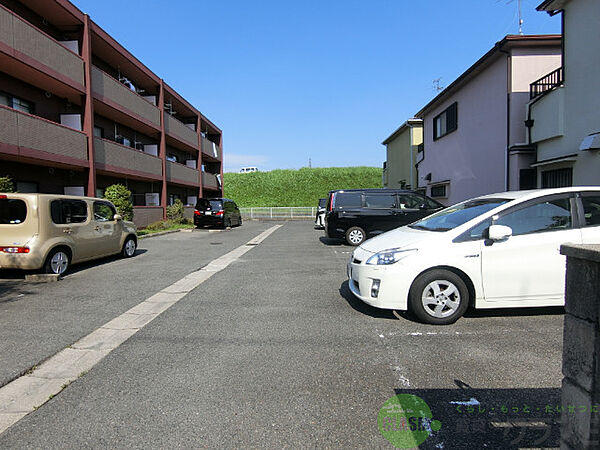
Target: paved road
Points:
x,y
273,351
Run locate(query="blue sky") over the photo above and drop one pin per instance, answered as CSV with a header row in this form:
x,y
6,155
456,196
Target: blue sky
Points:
x,y
329,80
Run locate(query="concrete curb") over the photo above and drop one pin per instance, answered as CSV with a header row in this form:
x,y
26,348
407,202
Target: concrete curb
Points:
x,y
160,233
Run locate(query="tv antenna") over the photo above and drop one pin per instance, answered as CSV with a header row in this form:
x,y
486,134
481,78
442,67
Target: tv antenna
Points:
x,y
520,9
437,87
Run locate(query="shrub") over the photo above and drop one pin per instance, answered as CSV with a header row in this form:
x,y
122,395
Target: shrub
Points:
x,y
6,184
175,212
120,196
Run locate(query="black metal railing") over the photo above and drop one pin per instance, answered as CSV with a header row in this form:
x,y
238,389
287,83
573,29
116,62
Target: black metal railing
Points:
x,y
546,83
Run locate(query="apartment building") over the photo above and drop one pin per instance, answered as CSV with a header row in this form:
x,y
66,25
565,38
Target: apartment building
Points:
x,y
564,122
474,133
78,113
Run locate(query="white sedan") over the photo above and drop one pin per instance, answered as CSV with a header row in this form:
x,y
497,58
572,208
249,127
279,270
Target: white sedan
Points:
x,y
495,251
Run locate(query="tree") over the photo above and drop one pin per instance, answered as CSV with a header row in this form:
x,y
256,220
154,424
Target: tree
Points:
x,y
6,184
120,196
175,211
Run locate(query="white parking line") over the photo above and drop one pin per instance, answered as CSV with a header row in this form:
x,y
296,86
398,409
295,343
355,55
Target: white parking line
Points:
x,y
28,392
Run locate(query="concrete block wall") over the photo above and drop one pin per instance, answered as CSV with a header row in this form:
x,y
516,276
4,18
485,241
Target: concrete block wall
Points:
x,y
580,421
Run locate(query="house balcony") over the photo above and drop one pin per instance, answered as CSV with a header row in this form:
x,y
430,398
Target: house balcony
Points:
x,y
27,136
547,113
210,149
546,84
33,49
210,181
111,157
178,130
116,95
180,174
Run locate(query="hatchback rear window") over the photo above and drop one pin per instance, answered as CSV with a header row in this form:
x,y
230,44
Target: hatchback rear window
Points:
x,y
12,211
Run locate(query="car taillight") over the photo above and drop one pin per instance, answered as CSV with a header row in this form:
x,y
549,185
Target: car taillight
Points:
x,y
3,197
219,213
14,249
331,202
196,212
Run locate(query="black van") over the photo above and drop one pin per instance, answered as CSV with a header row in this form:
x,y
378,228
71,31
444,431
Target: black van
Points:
x,y
355,214
219,212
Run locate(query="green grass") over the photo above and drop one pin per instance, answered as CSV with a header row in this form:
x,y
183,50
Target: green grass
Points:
x,y
302,187
163,225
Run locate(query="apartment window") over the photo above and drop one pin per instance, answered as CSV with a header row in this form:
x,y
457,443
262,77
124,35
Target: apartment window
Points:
x,y
16,103
446,122
557,178
438,191
98,132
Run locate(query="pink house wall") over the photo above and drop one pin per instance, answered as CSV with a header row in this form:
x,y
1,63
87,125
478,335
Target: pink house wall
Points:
x,y
473,156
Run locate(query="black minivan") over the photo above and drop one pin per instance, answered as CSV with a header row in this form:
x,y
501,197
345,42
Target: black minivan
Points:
x,y
356,214
218,212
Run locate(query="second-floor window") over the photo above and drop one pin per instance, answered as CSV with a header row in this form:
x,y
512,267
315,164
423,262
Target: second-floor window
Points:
x,y
16,103
446,122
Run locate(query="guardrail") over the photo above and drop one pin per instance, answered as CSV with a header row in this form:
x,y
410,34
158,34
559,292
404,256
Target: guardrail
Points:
x,y
280,213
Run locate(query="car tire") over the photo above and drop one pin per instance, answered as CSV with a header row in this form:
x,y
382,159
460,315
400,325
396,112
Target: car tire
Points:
x,y
129,247
240,223
227,223
438,297
355,236
58,261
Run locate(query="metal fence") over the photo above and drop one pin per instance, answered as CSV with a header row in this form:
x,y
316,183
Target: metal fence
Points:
x,y
280,213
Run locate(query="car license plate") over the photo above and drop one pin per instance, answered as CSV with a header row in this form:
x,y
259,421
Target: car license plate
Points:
x,y
208,213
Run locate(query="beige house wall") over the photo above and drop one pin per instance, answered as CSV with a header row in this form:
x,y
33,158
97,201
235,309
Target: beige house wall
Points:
x,y
400,164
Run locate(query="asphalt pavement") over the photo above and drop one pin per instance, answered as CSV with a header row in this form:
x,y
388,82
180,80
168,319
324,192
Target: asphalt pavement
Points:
x,y
273,351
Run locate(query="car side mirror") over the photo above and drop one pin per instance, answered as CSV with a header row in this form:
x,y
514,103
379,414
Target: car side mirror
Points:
x,y
118,217
499,232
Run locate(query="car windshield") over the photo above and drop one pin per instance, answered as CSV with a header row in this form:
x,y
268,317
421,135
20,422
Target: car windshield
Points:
x,y
454,216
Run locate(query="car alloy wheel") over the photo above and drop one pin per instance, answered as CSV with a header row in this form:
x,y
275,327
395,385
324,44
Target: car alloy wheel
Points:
x,y
355,236
129,248
58,262
438,297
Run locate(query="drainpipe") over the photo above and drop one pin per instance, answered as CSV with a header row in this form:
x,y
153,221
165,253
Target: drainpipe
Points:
x,y
412,186
508,91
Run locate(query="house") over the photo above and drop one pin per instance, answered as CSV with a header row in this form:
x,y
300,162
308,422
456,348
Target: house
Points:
x,y
78,113
564,118
474,134
402,146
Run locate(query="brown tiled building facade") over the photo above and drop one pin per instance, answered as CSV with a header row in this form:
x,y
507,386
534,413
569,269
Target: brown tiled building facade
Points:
x,y
78,113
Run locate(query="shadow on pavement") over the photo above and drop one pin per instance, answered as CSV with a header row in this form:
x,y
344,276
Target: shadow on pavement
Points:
x,y
98,262
362,307
491,418
516,312
332,242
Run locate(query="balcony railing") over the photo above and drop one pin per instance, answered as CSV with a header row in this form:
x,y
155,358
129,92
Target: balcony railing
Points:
x,y
119,156
209,148
179,173
177,129
545,84
30,41
34,133
210,181
106,87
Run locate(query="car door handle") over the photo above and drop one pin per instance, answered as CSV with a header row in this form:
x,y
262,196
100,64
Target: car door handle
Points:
x,y
67,230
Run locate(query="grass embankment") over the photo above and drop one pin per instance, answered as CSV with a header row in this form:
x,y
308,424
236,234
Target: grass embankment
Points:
x,y
302,187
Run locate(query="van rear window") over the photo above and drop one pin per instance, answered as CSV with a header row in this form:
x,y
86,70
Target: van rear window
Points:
x,y
209,204
12,211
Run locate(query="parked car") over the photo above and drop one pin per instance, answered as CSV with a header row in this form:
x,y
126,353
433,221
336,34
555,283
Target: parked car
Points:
x,y
217,212
54,231
356,214
320,217
494,251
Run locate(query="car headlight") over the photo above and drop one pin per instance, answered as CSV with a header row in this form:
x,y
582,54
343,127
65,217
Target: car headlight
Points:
x,y
390,256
